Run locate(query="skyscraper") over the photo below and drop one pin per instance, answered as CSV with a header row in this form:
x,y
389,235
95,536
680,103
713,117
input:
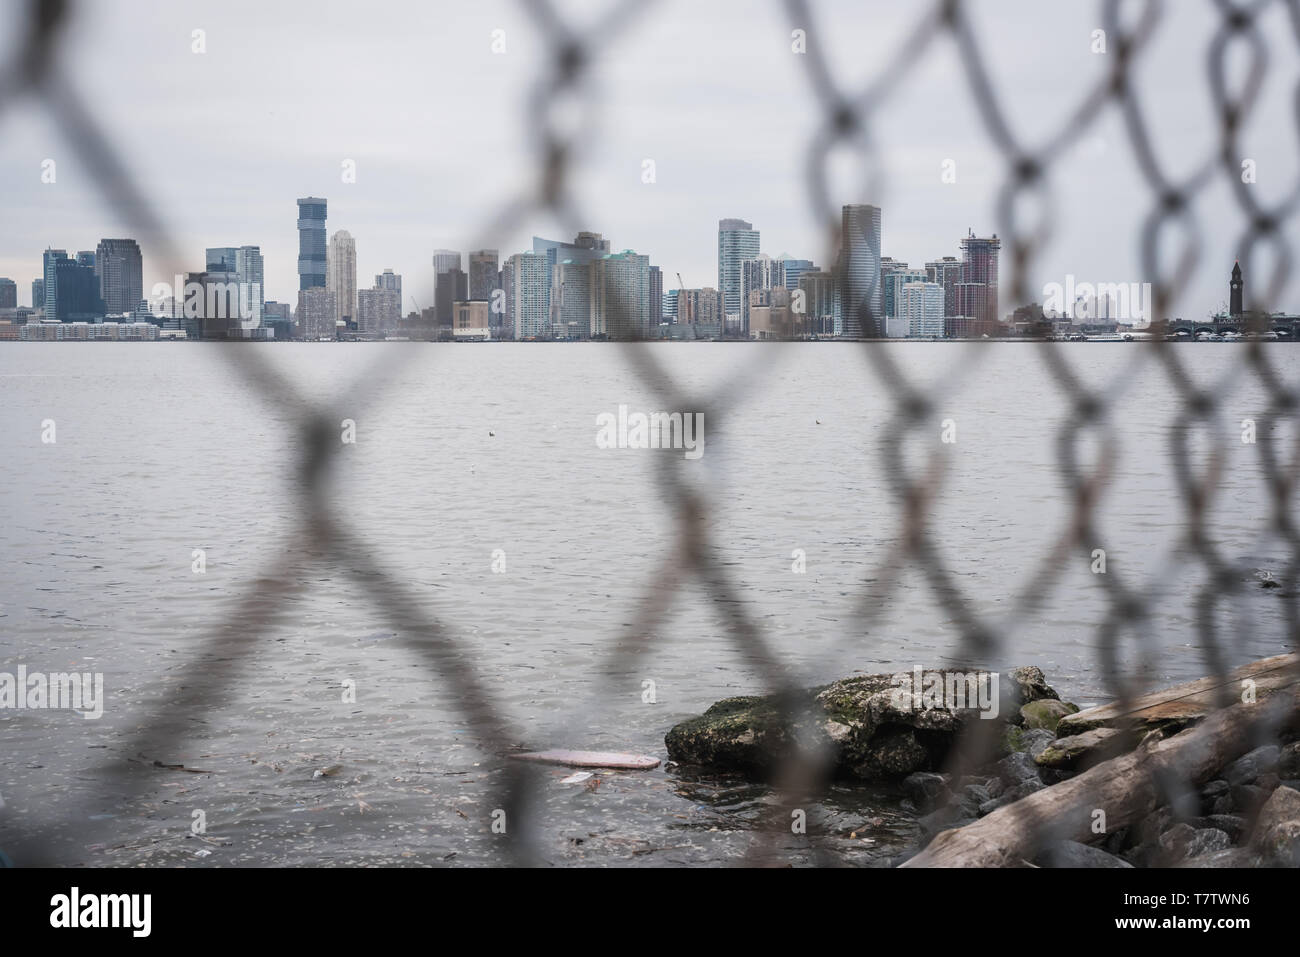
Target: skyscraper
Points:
x,y
8,294
445,260
571,294
862,308
341,274
620,300
818,288
586,248
921,306
76,291
311,243
390,281
737,242
450,285
220,259
50,260
656,296
893,281
527,296
762,272
250,269
317,308
980,265
242,265
38,293
121,275
793,269
483,273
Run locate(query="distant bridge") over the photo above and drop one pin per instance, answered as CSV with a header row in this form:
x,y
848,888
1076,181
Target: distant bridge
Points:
x,y
1288,326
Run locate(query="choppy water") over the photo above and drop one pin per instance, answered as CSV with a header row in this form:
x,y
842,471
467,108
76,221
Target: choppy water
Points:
x,y
163,448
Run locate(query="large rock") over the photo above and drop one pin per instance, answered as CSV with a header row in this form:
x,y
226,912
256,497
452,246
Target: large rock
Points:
x,y
1250,766
1045,714
1182,842
1033,741
873,727
1277,830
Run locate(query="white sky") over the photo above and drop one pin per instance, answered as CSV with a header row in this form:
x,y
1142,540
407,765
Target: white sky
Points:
x,y
224,142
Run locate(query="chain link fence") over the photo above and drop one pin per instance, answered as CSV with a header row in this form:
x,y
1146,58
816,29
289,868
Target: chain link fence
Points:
x,y
848,120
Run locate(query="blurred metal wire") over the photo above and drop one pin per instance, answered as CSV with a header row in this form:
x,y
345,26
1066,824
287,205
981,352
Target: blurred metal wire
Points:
x,y
848,121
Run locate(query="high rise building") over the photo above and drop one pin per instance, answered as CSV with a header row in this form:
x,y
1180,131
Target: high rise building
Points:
x,y
738,241
8,294
445,260
49,260
121,275
341,274
220,259
889,266
242,265
656,297
251,271
38,293
76,291
451,287
702,310
571,295
390,281
980,265
620,296
818,288
527,291
379,310
921,307
947,273
762,272
862,308
793,269
312,253
670,305
899,276
586,247
483,274
317,308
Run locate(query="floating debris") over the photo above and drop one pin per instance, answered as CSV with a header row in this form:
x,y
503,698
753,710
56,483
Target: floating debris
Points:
x,y
591,759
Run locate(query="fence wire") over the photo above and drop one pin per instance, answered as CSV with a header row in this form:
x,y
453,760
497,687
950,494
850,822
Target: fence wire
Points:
x,y
848,121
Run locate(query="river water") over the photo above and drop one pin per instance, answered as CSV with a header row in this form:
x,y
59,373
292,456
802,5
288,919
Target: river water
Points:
x,y
476,480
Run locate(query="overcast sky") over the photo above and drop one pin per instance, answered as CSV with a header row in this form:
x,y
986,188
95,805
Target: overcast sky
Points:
x,y
225,141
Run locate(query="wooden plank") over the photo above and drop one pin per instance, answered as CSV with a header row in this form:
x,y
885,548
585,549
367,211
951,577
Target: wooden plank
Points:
x,y
1186,703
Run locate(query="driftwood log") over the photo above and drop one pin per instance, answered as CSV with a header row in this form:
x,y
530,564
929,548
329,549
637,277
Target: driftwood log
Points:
x,y
1126,788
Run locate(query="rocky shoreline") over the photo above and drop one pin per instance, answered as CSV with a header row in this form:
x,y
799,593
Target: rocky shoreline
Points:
x,y
1017,738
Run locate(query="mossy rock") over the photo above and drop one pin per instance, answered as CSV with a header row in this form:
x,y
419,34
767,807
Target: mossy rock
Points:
x,y
872,728
1045,713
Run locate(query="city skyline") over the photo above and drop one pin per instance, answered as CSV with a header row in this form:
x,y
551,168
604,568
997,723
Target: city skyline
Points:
x,y
947,298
